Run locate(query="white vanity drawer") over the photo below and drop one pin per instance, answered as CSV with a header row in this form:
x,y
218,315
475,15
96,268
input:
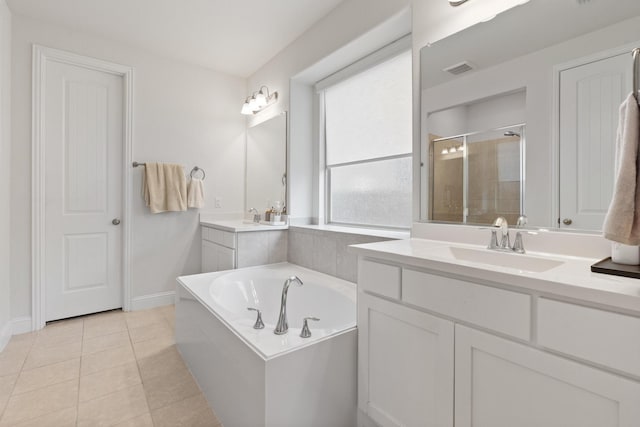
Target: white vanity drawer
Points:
x,y
496,309
610,339
379,278
223,238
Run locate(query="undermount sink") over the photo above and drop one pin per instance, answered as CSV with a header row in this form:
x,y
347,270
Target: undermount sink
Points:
x,y
504,259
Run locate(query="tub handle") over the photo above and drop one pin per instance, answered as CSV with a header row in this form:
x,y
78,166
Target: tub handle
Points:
x,y
259,323
306,333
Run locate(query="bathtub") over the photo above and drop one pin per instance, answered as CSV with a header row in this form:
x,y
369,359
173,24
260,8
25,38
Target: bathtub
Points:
x,y
254,378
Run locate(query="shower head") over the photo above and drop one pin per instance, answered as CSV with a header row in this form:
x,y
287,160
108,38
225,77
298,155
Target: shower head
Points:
x,y
511,133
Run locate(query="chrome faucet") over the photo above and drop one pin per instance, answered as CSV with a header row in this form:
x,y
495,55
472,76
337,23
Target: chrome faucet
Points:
x,y
256,215
283,326
504,244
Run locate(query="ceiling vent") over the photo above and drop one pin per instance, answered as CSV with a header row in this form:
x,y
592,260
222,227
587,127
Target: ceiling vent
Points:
x,y
460,68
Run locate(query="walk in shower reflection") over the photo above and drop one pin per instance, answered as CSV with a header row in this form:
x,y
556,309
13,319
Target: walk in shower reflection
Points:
x,y
477,176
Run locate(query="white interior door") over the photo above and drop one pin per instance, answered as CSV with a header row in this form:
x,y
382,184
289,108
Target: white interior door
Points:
x,y
590,96
83,143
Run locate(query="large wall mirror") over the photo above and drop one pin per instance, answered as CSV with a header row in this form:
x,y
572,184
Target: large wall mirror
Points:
x,y
267,163
519,114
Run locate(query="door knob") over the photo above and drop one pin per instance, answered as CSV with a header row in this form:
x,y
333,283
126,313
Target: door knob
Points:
x,y
116,221
567,221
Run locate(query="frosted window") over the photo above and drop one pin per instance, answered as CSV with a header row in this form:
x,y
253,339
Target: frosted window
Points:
x,y
369,115
375,193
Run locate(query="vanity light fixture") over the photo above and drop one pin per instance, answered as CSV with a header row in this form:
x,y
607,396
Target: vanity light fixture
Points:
x,y
259,101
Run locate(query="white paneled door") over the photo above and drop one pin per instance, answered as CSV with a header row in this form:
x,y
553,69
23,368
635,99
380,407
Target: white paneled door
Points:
x,y
590,96
83,158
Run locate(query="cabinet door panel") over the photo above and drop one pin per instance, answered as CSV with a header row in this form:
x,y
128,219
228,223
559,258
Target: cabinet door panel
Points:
x,y
500,383
405,365
209,260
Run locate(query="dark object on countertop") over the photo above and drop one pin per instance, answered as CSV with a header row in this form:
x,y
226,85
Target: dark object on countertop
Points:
x,y
607,266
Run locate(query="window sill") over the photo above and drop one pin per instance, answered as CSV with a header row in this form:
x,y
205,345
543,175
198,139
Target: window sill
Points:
x,y
388,234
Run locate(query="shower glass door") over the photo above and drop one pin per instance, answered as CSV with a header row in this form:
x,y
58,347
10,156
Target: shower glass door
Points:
x,y
478,176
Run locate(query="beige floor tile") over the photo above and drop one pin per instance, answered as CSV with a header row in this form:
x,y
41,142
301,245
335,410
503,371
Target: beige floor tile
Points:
x,y
138,319
113,408
160,329
53,354
45,340
6,387
152,347
104,342
106,359
104,326
111,314
11,362
191,412
141,421
44,376
34,404
63,328
165,361
173,386
108,381
21,343
64,418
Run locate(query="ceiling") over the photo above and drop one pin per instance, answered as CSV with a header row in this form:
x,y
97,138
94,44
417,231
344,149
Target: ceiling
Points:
x,y
232,36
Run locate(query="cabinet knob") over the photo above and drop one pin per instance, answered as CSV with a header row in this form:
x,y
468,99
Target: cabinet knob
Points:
x,y
567,221
115,221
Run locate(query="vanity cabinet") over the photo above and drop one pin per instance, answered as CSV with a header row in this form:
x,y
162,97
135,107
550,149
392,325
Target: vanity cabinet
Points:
x,y
439,350
405,364
218,250
503,383
227,250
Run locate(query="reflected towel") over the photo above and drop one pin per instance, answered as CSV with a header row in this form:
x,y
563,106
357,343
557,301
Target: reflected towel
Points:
x,y
164,187
622,223
195,193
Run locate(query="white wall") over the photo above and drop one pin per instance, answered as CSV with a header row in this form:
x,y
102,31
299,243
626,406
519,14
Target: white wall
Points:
x,y
182,113
5,164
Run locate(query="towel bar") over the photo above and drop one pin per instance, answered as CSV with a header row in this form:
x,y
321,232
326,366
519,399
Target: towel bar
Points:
x,y
636,70
136,164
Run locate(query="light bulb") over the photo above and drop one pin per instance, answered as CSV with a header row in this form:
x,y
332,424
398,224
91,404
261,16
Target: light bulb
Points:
x,y
246,108
461,148
444,151
261,100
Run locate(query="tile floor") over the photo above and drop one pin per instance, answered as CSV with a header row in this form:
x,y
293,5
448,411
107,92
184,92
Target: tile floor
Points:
x,y
107,369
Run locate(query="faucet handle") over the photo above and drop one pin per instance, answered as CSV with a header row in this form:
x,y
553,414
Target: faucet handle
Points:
x,y
259,323
493,243
522,221
306,333
518,245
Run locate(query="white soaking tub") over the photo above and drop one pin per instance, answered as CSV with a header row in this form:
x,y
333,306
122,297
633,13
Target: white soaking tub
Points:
x,y
253,377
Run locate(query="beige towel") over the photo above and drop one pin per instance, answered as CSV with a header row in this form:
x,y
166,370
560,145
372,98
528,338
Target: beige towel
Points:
x,y
164,187
195,193
622,223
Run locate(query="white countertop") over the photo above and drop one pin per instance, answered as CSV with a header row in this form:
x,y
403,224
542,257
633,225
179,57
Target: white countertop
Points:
x,y
240,226
572,279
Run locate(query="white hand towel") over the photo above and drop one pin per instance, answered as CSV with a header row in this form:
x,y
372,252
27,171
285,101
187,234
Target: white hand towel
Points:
x,y
195,193
164,187
622,223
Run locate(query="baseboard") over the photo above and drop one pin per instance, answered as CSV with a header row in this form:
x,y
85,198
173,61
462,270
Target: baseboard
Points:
x,y
145,302
21,325
5,335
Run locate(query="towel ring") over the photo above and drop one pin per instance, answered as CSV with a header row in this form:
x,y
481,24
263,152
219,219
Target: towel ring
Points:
x,y
195,170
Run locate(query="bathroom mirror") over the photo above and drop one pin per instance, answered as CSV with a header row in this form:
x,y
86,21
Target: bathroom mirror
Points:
x,y
556,71
267,163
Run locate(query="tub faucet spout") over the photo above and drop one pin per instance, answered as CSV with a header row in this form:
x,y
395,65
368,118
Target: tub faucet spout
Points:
x,y
283,326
